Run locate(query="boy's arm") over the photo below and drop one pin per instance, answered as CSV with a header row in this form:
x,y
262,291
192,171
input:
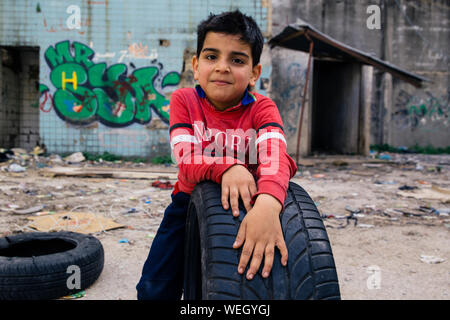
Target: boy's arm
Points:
x,y
275,166
188,151
260,230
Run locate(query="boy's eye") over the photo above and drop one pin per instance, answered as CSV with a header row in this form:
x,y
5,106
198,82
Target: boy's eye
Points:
x,y
211,57
238,61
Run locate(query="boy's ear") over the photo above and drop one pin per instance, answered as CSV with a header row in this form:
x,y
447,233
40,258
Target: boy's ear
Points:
x,y
256,73
195,67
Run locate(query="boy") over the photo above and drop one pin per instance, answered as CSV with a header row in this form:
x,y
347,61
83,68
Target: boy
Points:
x,y
221,114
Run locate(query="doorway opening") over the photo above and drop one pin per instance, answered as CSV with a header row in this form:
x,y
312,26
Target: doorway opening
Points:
x,y
335,107
19,97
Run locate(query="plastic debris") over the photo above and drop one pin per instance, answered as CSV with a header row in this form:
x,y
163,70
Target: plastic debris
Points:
x,y
77,295
29,210
162,184
14,167
362,225
385,182
131,210
76,157
385,157
124,240
431,259
406,187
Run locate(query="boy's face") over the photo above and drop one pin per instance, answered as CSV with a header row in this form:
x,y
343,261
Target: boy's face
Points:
x,y
225,69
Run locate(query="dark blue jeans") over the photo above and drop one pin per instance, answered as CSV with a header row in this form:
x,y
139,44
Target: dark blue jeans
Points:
x,y
162,274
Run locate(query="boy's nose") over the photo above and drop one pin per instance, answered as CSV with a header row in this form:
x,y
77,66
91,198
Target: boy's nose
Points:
x,y
222,66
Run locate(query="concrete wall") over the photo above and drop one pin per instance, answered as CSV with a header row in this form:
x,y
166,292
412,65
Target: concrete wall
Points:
x,y
127,57
414,35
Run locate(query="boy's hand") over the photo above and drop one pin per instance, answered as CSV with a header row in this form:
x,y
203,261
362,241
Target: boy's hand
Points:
x,y
261,232
237,180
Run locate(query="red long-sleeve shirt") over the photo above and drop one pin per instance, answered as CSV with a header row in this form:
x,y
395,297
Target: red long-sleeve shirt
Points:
x,y
206,142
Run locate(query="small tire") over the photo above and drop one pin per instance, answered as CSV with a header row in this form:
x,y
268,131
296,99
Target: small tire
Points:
x,y
211,262
37,265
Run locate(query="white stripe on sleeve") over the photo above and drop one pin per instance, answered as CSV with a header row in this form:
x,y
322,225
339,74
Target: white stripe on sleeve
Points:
x,y
182,138
270,135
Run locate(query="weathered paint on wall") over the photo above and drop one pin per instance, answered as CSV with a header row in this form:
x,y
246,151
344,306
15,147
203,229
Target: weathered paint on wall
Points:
x,y
107,68
414,35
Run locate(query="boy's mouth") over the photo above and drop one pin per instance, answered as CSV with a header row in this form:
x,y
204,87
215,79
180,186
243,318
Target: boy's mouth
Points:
x,y
220,82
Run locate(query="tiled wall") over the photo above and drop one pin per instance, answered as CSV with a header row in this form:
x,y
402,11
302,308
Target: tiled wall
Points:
x,y
127,57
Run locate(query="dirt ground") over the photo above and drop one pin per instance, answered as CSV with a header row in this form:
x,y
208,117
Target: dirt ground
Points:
x,y
380,236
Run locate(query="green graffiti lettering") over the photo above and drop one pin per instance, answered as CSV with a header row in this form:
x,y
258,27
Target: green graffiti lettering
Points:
x,y
83,54
104,93
171,79
59,54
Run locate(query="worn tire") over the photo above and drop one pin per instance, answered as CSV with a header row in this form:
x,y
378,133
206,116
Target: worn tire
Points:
x,y
34,266
211,263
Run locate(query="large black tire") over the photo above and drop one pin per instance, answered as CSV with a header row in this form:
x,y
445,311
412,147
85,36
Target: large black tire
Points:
x,y
35,266
211,262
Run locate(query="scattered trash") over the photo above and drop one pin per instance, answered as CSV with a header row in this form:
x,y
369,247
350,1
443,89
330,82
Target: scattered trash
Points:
x,y
362,173
76,157
443,211
406,187
431,259
423,182
429,210
14,167
29,210
44,213
419,167
318,175
19,151
124,240
131,210
77,295
162,185
384,182
373,165
81,222
352,210
362,225
385,157
433,193
5,155
38,150
55,158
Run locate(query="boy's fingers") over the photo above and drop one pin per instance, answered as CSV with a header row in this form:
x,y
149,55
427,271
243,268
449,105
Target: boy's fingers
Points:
x,y
283,250
225,194
256,261
246,198
240,235
268,260
234,201
245,255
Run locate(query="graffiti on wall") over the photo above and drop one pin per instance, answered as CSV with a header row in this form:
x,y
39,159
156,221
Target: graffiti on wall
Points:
x,y
87,91
412,111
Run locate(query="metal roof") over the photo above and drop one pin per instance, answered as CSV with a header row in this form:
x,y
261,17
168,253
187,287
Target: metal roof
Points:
x,y
295,36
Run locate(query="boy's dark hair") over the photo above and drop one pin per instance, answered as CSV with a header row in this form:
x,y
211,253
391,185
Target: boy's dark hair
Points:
x,y
233,22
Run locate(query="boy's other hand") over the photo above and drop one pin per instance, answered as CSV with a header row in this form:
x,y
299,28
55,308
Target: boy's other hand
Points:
x,y
260,232
237,180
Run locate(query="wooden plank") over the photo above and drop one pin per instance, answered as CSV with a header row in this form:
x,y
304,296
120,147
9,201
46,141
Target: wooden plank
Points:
x,y
108,172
